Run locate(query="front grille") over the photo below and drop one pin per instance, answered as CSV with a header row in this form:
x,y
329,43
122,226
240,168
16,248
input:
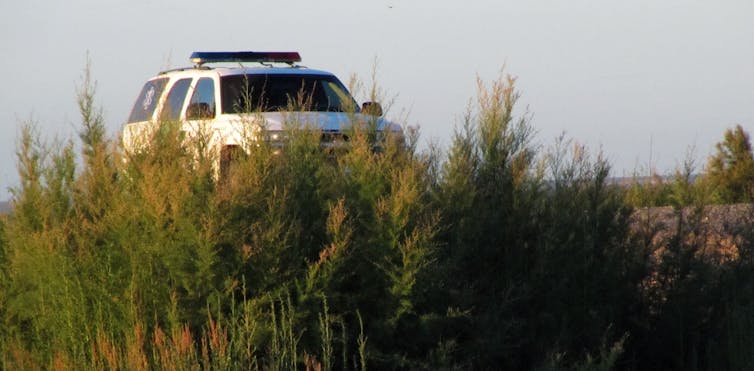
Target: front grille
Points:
x,y
333,138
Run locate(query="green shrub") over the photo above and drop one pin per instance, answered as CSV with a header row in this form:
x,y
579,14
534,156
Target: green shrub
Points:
x,y
376,255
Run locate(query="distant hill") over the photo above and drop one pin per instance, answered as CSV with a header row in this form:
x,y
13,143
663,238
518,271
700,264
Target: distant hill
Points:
x,y
5,207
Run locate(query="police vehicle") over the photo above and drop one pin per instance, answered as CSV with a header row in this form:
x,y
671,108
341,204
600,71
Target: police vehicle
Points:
x,y
238,98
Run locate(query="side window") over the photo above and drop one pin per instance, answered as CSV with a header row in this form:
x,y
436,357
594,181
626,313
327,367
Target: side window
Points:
x,y
147,101
202,105
171,111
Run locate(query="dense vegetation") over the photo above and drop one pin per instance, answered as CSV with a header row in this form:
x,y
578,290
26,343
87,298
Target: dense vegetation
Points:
x,y
499,255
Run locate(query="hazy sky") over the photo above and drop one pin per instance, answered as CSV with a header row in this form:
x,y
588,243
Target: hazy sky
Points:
x,y
630,77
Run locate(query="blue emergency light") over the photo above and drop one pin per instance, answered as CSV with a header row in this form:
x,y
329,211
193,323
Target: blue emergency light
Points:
x,y
200,58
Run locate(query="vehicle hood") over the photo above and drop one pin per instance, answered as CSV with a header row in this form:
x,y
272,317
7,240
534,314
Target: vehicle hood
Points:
x,y
326,121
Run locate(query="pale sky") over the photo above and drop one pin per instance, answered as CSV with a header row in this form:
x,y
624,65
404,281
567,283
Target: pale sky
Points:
x,y
629,77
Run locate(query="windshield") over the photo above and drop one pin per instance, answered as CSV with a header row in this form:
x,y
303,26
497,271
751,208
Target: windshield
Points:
x,y
269,93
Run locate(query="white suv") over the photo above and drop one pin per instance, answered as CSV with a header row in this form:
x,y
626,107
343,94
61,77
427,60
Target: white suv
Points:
x,y
235,103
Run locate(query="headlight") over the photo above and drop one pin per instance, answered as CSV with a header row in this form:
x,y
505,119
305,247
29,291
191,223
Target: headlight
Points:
x,y
275,137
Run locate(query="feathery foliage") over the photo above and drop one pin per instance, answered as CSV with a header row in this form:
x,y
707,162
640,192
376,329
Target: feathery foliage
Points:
x,y
501,255
731,168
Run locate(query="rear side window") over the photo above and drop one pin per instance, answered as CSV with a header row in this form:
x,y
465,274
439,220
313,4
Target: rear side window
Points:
x,y
202,105
147,101
174,102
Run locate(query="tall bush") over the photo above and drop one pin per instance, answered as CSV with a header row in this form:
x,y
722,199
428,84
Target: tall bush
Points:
x,y
535,248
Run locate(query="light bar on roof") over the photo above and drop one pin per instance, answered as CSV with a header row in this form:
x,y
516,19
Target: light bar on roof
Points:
x,y
200,58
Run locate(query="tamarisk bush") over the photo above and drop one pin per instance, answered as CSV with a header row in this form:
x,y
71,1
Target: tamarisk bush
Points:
x,y
498,253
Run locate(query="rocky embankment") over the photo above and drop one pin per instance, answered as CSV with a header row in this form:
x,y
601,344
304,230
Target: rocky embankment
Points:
x,y
4,207
716,232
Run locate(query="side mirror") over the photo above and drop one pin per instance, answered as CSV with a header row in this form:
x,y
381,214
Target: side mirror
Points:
x,y
199,111
371,108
